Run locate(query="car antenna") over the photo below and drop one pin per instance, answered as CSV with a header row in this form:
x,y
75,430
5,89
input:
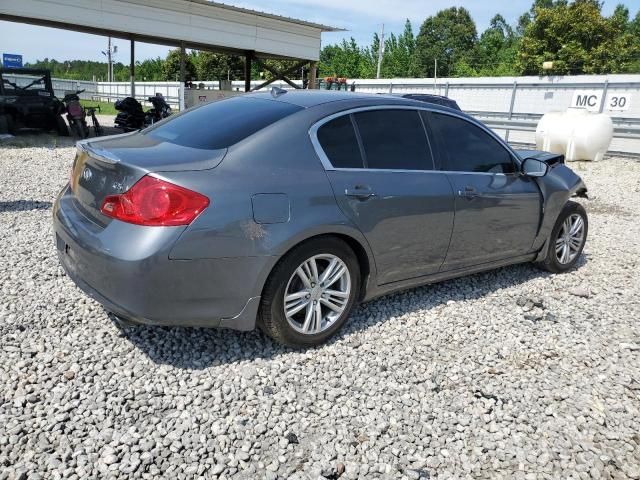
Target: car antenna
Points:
x,y
277,91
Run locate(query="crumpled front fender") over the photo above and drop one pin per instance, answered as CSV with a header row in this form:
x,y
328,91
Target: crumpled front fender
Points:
x,y
557,187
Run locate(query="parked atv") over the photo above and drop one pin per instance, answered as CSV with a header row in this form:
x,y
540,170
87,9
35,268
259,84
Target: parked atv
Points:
x,y
27,100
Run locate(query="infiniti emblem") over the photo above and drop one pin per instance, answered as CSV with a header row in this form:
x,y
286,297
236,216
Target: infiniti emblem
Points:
x,y
87,174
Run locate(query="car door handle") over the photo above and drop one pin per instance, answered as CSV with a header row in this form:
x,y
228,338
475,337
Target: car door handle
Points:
x,y
468,192
359,192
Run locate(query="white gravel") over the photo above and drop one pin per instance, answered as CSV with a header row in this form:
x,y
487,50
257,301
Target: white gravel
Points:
x,y
512,374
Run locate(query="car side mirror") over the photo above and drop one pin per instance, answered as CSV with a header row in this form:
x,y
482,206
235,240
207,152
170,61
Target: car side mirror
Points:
x,y
532,167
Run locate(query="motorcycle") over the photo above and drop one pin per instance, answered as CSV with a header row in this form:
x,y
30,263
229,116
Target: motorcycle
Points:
x,y
160,110
76,116
131,116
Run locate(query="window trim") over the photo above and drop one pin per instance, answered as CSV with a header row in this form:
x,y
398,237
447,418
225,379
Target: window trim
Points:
x,y
326,163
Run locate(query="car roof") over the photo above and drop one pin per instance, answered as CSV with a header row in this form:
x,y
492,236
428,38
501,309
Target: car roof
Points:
x,y
312,98
307,98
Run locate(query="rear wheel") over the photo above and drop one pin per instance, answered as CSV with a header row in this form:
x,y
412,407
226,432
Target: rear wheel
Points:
x,y
310,293
4,125
75,128
61,127
567,239
8,124
97,128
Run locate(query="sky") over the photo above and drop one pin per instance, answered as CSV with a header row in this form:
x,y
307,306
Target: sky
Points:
x,y
361,18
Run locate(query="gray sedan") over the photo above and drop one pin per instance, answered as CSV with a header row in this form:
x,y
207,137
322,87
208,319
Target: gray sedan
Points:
x,y
284,210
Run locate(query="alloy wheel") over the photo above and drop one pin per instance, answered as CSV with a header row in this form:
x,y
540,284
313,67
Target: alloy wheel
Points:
x,y
317,294
570,239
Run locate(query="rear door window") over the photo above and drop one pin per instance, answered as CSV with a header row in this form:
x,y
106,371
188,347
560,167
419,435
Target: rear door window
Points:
x,y
220,124
339,143
394,139
468,148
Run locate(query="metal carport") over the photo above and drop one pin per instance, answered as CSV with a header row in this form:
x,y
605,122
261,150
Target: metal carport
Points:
x,y
195,24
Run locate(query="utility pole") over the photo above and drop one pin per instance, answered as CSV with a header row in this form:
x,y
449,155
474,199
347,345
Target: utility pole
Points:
x,y
380,51
110,65
435,75
109,54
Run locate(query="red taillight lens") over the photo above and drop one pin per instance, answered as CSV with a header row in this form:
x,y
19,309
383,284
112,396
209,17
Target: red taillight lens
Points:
x,y
154,202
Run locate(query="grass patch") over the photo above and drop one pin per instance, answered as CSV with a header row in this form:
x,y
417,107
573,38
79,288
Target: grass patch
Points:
x,y
106,108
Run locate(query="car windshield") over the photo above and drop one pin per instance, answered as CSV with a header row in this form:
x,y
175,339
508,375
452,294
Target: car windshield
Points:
x,y
220,124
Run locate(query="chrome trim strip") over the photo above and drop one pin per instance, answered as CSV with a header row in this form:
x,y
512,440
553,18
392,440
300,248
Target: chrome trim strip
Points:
x,y
313,135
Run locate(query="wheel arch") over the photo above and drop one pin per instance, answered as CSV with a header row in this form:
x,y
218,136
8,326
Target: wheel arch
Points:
x,y
356,243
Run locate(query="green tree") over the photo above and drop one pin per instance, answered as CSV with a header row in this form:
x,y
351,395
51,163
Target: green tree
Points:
x,y
448,36
150,70
527,17
634,25
171,66
496,51
578,39
346,59
218,66
620,17
398,53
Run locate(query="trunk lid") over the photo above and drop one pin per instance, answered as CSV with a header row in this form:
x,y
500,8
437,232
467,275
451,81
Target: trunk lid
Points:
x,y
113,165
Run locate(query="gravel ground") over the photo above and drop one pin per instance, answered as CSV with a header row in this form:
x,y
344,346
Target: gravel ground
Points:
x,y
513,374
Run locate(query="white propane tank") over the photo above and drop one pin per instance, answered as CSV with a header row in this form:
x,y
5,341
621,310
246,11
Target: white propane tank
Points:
x,y
552,133
576,133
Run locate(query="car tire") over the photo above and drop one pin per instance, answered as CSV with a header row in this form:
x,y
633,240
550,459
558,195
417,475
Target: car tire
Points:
x,y
75,129
289,329
11,125
8,124
562,242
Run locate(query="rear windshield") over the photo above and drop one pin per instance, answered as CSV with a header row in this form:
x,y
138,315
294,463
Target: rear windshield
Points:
x,y
220,124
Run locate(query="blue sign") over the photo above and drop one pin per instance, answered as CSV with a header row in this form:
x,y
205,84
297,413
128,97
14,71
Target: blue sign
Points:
x,y
10,60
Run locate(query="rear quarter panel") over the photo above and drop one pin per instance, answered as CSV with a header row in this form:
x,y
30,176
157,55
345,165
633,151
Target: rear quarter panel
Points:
x,y
279,160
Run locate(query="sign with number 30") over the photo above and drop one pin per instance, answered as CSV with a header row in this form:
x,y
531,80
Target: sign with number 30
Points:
x,y
591,99
618,102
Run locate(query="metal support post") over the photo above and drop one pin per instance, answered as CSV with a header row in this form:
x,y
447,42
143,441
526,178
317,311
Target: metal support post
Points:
x,y
247,71
513,102
313,75
132,69
603,100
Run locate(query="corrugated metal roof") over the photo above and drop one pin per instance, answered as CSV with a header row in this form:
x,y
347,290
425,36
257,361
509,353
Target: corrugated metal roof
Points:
x,y
319,26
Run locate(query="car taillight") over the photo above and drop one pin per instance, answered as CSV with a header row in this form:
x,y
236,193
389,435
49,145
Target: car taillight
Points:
x,y
155,202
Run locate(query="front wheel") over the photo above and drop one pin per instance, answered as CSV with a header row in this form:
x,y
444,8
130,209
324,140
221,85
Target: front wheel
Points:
x,y
310,293
97,128
74,127
567,239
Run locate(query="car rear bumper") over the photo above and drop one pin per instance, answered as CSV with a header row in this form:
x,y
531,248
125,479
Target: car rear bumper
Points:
x,y
127,269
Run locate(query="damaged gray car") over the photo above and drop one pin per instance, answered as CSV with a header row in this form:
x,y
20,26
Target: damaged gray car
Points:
x,y
283,210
